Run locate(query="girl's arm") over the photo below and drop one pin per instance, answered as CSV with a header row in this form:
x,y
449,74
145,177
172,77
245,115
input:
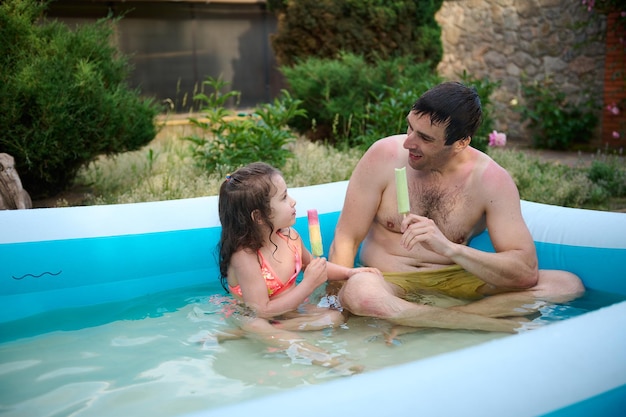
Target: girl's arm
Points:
x,y
340,272
245,267
334,271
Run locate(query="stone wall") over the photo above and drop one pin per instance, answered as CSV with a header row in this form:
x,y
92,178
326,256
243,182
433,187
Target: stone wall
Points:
x,y
614,113
503,39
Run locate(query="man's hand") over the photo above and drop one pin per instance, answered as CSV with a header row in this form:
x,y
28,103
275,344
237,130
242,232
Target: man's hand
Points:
x,y
418,229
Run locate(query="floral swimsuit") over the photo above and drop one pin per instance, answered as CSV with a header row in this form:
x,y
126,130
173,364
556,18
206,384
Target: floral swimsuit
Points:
x,y
274,285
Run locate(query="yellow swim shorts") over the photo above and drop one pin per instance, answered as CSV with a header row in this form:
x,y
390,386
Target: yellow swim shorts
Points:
x,y
452,280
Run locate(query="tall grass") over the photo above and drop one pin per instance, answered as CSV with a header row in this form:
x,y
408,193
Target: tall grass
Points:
x,y
600,185
165,170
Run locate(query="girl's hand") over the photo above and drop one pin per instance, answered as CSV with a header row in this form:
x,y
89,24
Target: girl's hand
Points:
x,y
374,271
315,273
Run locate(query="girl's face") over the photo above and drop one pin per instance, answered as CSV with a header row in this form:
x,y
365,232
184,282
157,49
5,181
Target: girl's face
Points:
x,y
282,205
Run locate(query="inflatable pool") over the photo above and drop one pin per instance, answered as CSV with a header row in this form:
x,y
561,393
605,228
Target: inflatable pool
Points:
x,y
61,258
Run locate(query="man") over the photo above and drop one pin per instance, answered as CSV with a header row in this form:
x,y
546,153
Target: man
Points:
x,y
455,192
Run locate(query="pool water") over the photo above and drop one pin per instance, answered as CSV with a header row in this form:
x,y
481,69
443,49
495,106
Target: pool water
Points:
x,y
149,356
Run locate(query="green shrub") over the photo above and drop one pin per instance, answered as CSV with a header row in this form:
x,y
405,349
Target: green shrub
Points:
x,y
386,113
376,29
609,172
227,143
556,122
164,170
331,91
64,97
550,183
352,103
338,95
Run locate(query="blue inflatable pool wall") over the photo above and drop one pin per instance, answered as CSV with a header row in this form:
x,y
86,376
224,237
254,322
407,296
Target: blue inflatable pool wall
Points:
x,y
78,256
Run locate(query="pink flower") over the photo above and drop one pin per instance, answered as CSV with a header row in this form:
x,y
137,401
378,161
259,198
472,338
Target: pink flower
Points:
x,y
615,135
497,139
589,4
613,109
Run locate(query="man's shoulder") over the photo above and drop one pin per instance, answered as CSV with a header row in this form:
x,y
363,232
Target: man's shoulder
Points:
x,y
483,163
390,145
392,140
490,177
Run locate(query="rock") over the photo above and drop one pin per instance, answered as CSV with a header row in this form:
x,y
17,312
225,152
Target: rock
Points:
x,y
12,194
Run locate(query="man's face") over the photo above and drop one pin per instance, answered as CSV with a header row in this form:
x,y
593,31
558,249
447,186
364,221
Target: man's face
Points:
x,y
426,143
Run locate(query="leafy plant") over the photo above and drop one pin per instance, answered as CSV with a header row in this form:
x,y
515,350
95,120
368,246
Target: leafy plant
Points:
x,y
385,114
64,97
228,143
552,183
555,121
609,172
607,7
131,177
331,91
546,182
340,95
374,29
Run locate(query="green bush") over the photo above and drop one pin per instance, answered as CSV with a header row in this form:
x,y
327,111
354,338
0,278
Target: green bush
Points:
x,y
376,29
608,171
63,96
543,181
340,95
386,113
556,122
352,103
562,185
228,143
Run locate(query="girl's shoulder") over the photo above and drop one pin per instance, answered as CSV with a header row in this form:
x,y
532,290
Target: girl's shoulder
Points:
x,y
243,255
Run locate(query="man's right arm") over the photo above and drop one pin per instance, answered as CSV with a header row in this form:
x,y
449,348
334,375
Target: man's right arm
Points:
x,y
363,196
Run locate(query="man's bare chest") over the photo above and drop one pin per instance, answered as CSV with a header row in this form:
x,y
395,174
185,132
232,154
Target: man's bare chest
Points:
x,y
453,209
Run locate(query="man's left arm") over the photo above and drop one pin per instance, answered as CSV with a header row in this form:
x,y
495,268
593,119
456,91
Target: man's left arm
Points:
x,y
514,265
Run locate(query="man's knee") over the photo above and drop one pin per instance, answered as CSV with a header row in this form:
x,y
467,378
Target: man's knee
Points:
x,y
365,295
560,284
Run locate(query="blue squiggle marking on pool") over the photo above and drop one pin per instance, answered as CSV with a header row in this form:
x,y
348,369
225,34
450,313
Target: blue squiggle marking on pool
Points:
x,y
36,276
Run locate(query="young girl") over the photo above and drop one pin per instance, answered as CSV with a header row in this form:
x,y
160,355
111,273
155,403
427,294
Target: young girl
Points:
x,y
261,256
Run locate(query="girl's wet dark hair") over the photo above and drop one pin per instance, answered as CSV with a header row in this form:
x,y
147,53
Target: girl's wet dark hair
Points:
x,y
455,105
244,201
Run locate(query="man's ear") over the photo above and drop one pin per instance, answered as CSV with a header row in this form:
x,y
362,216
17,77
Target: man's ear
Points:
x,y
463,143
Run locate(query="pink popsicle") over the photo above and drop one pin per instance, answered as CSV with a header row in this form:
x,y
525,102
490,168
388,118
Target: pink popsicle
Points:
x,y
315,233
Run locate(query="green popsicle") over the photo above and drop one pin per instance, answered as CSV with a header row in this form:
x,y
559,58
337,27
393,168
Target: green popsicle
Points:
x,y
402,191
